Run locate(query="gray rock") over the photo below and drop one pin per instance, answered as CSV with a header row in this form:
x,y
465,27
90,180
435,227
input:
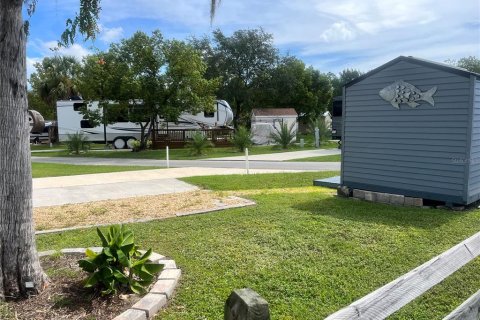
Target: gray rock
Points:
x,y
246,304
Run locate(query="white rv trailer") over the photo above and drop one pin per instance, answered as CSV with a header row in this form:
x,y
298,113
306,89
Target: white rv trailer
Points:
x,y
122,134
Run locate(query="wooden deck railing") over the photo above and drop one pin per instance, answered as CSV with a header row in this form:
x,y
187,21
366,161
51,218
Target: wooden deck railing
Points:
x,y
177,138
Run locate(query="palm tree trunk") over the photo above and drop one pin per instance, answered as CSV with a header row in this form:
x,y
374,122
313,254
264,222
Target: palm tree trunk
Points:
x,y
20,271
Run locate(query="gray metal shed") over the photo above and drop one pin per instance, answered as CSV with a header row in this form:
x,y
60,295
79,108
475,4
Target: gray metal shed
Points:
x,y
412,127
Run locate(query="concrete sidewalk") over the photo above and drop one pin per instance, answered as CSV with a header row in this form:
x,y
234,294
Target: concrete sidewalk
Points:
x,y
282,156
118,185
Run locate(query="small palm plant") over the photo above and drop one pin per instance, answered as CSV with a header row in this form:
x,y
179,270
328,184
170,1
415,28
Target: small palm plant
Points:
x,y
77,142
198,144
119,264
242,138
284,136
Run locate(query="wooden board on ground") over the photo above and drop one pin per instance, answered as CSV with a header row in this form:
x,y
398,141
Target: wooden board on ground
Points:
x,y
386,300
469,310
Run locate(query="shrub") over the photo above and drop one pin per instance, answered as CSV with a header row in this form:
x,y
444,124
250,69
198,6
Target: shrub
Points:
x,y
119,264
198,144
77,142
284,137
149,144
242,138
136,145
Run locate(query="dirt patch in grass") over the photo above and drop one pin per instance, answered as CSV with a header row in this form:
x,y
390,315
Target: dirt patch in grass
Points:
x,y
131,209
65,297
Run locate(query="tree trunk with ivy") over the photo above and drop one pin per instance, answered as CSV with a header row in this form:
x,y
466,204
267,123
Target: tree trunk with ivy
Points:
x,y
20,270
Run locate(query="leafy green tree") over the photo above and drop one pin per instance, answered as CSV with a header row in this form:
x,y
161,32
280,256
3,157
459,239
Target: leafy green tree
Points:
x,y
471,63
37,103
54,79
292,84
185,85
343,77
146,77
99,80
20,270
244,61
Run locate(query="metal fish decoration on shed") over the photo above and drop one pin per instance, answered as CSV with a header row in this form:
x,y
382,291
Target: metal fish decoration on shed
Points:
x,y
403,92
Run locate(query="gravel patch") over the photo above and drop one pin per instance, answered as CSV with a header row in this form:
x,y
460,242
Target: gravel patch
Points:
x,y
133,209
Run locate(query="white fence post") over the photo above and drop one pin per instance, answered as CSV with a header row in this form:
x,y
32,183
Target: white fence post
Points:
x,y
247,165
168,157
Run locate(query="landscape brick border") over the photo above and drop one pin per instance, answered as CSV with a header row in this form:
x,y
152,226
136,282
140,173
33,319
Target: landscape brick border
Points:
x,y
156,298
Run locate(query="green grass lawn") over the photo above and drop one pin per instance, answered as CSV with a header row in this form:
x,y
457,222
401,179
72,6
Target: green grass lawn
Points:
x,y
331,158
42,170
306,251
181,154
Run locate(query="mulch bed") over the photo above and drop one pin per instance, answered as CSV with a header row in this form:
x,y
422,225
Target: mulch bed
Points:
x,y
65,297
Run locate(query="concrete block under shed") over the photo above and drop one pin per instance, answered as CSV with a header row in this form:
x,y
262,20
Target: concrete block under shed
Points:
x,y
397,199
370,196
359,194
413,202
383,197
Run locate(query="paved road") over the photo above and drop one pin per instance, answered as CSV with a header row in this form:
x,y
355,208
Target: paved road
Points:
x,y
282,156
104,186
272,165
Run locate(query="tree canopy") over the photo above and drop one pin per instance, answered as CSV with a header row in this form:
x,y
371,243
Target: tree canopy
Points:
x,y
343,78
55,79
470,63
146,77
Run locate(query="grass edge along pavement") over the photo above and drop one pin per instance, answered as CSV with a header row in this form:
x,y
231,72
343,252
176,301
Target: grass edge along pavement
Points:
x,y
179,154
304,250
44,170
329,158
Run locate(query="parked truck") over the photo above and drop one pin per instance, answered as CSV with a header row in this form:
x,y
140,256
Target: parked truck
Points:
x,y
337,118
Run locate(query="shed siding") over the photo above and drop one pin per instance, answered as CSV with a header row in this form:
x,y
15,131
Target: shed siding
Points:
x,y
474,174
415,152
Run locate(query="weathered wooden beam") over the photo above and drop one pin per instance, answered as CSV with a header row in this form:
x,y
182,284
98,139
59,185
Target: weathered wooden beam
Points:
x,y
246,304
469,310
384,301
